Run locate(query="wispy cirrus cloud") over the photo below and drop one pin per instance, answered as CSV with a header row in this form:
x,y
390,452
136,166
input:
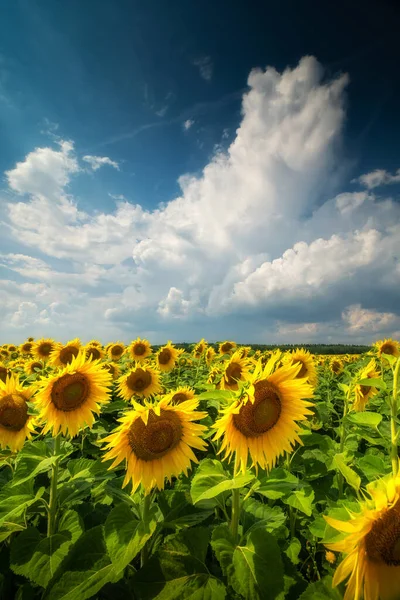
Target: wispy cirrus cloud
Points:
x,y
96,162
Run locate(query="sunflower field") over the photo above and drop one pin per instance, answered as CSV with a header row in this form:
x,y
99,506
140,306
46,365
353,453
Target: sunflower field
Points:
x,y
218,472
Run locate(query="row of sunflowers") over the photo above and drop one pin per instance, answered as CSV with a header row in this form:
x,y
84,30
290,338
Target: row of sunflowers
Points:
x,y
222,472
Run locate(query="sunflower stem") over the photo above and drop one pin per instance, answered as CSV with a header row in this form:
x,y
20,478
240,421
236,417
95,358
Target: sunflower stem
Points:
x,y
342,441
393,423
52,511
235,513
235,504
144,553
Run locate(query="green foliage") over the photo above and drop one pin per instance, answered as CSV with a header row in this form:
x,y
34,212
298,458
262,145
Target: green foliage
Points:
x,y
184,542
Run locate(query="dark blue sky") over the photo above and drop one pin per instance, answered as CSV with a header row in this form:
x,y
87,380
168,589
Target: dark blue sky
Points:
x,y
103,69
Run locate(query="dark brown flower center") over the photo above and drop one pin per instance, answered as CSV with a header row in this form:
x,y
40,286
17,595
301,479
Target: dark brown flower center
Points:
x,y
336,366
3,373
70,391
36,365
67,354
303,371
388,348
179,397
12,348
111,369
154,440
256,418
233,373
93,352
364,389
139,349
226,347
138,380
13,412
45,348
382,543
117,350
164,356
27,347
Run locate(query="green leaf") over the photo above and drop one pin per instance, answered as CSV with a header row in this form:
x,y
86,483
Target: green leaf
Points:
x,y
321,590
342,386
208,475
34,458
223,545
87,569
125,536
15,500
350,476
377,383
257,572
302,500
178,510
215,394
257,513
278,483
179,570
389,357
293,550
239,481
37,557
371,465
365,419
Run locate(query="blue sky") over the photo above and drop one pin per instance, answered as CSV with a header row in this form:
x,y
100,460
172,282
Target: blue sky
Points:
x,y
184,170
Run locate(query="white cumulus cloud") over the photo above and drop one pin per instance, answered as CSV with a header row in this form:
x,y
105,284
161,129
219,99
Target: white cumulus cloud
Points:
x,y
377,178
258,245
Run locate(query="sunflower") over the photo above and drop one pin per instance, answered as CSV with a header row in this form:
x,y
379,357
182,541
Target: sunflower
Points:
x,y
116,350
4,372
181,394
363,393
304,357
236,369
112,368
15,423
63,355
372,544
336,365
184,361
388,346
142,380
12,347
94,343
263,422
156,440
214,375
26,348
226,347
4,353
244,351
210,355
139,349
94,351
167,356
42,349
31,365
68,399
199,348
31,339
